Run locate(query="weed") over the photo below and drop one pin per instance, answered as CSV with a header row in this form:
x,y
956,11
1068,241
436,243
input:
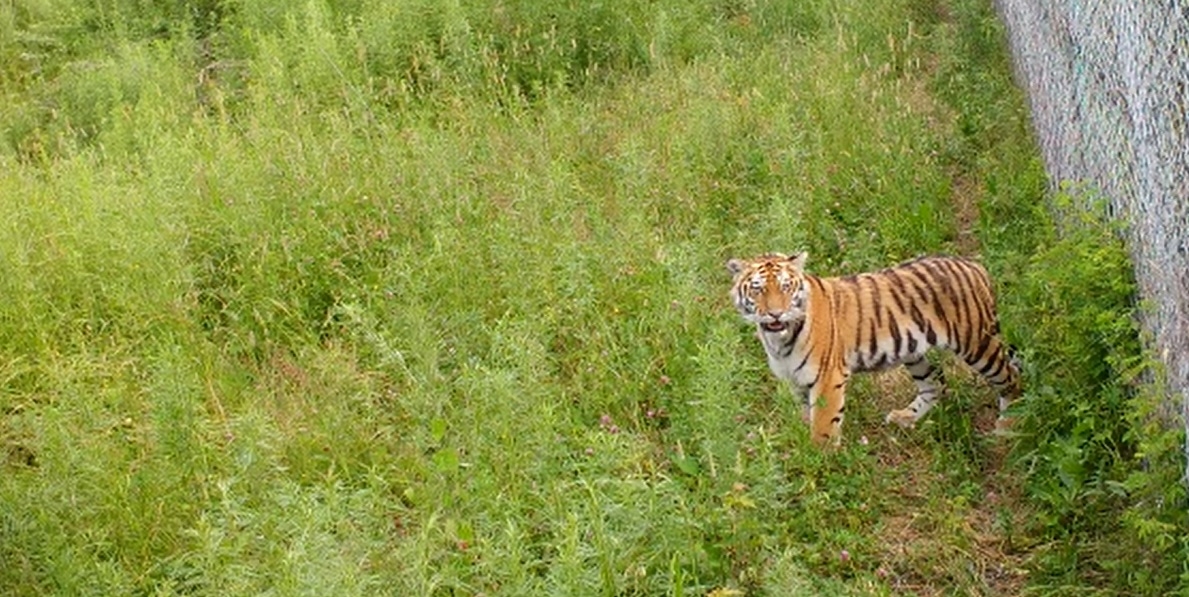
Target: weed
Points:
x,y
427,298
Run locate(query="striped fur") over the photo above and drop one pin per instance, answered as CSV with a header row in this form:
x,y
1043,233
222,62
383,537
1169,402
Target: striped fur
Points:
x,y
817,331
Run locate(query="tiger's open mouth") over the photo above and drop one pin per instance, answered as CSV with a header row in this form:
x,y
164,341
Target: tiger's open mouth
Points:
x,y
776,326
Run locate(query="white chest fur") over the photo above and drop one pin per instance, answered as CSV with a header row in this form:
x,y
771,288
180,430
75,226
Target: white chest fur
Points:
x,y
788,356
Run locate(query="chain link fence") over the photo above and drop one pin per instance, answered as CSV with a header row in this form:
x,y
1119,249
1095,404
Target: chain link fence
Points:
x,y
1108,84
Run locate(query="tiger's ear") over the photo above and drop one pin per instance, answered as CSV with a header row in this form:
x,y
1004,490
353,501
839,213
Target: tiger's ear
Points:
x,y
735,266
799,260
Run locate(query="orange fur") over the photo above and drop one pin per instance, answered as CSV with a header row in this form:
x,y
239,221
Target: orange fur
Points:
x,y
818,331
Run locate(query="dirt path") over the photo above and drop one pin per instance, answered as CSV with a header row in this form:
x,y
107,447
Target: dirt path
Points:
x,y
933,541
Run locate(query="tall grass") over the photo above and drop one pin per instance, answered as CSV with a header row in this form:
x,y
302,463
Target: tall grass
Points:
x,y
426,298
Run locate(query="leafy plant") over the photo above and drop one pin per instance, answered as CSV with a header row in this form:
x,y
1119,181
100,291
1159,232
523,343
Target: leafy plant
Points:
x,y
347,297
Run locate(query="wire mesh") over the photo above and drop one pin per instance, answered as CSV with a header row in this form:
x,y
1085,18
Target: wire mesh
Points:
x,y
1107,82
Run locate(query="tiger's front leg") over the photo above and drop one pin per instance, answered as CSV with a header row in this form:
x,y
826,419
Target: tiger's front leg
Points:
x,y
827,405
802,395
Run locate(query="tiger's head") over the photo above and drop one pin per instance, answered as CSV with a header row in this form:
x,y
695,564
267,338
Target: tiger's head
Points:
x,y
770,290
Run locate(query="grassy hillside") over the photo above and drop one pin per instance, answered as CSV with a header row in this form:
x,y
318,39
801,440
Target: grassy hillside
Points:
x,y
428,298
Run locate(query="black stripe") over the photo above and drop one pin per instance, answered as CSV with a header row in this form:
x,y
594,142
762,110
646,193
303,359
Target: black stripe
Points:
x,y
858,298
803,361
915,279
821,287
831,332
789,344
896,280
881,362
899,289
939,311
1001,383
970,324
938,279
981,351
976,281
964,326
923,293
919,318
930,372
873,342
907,282
999,364
995,365
800,326
895,317
894,328
876,302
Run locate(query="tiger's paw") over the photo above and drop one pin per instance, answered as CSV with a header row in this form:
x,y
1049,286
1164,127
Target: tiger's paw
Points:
x,y
902,417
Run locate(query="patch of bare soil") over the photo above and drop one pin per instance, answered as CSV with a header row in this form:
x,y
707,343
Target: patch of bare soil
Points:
x,y
932,542
936,543
966,192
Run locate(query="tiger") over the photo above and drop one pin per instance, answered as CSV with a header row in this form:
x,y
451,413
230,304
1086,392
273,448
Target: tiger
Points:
x,y
817,331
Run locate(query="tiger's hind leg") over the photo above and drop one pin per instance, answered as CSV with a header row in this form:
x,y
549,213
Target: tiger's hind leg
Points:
x,y
996,363
930,383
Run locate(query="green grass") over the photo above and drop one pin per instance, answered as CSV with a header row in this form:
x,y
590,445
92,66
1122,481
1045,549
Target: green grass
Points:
x,y
427,298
